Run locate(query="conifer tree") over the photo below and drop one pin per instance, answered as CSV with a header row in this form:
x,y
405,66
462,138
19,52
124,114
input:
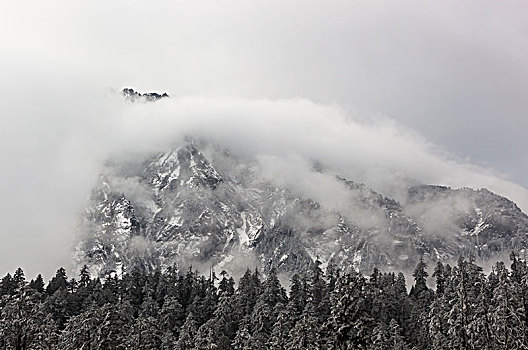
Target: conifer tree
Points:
x,y
396,340
20,319
19,278
171,316
37,284
143,334
247,293
281,330
272,292
81,331
48,334
187,333
226,285
350,319
226,324
298,297
305,334
438,323
507,323
479,325
58,282
439,275
208,337
7,285
113,329
243,339
380,338
261,324
421,297
84,277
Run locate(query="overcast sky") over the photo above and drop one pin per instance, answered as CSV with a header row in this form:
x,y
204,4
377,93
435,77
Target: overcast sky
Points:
x,y
450,76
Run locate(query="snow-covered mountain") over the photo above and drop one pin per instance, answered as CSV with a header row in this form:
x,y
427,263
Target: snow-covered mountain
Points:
x,y
201,205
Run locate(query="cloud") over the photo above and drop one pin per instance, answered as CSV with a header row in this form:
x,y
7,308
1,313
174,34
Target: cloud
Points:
x,y
287,80
376,150
52,167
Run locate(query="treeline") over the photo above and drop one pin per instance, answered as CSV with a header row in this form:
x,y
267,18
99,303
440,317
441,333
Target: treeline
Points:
x,y
323,310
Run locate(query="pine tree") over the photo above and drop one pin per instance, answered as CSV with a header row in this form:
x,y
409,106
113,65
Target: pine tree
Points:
x,y
149,308
144,334
380,338
111,292
84,277
57,306
37,284
207,337
316,282
507,318
48,334
261,322
305,334
272,291
462,294
7,285
280,332
319,296
350,321
20,319
398,303
226,325
19,278
247,293
114,327
438,323
298,297
81,331
396,340
226,285
58,282
479,325
439,274
243,339
379,288
421,297
420,280
187,333
132,286
168,341
332,274
171,316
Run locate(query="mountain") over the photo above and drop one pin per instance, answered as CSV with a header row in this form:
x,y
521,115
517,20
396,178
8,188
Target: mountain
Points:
x,y
131,95
468,221
200,205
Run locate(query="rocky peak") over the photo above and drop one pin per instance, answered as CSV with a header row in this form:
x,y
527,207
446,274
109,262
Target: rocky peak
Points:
x,y
131,95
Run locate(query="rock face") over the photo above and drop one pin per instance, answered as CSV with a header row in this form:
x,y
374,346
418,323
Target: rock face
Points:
x,y
468,221
133,96
183,207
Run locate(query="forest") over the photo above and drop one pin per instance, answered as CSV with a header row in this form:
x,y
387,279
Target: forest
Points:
x,y
456,307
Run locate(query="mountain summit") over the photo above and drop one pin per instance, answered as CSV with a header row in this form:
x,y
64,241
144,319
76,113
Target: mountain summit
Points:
x,y
131,95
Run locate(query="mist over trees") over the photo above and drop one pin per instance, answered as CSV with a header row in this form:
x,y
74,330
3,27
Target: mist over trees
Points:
x,y
328,309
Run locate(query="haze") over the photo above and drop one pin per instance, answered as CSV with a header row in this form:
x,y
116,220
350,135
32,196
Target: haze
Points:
x,y
381,92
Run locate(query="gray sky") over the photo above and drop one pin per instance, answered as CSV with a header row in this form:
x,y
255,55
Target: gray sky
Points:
x,y
440,86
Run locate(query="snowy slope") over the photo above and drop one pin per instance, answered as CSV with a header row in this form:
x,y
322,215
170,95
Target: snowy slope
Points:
x,y
217,210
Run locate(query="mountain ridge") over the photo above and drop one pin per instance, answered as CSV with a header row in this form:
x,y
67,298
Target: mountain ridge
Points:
x,y
218,210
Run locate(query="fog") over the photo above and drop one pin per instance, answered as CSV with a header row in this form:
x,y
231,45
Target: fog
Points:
x,y
386,93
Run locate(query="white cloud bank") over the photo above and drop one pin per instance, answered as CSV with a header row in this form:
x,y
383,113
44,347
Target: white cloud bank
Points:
x,y
51,162
373,150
